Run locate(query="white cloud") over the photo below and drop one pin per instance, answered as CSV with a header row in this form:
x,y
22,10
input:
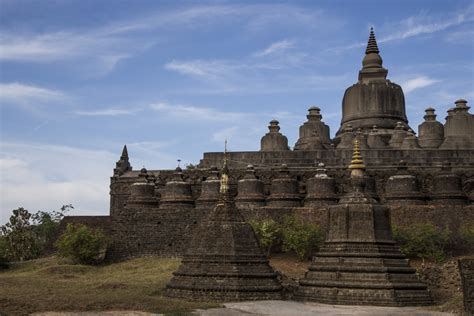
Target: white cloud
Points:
x,y
107,45
196,113
417,83
426,24
224,134
18,93
107,112
276,47
43,176
416,25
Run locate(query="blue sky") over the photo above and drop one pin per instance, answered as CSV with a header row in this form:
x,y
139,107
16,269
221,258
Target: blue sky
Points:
x,y
79,79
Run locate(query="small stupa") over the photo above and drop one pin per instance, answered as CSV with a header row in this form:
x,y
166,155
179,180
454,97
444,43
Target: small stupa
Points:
x,y
224,261
359,263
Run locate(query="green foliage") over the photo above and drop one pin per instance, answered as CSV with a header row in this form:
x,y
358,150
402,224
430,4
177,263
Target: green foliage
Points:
x,y
20,238
424,241
3,253
301,237
466,234
190,166
46,225
82,244
268,233
27,235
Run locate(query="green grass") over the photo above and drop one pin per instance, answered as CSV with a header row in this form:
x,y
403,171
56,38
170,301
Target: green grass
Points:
x,y
51,284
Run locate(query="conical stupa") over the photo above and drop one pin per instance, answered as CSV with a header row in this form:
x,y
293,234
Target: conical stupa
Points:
x,y
224,261
359,263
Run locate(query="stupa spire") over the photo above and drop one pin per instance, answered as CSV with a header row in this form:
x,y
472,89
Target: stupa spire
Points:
x,y
224,188
124,153
357,165
372,44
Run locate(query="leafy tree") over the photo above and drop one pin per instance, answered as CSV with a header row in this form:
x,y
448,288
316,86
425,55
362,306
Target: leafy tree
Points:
x,y
301,237
20,238
46,224
268,233
422,240
82,244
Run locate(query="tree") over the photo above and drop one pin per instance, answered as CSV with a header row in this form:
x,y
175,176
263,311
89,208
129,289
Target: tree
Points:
x,y
82,244
301,237
20,239
268,233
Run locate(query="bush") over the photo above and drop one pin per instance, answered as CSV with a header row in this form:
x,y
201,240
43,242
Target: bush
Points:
x,y
82,244
268,233
46,226
424,241
20,239
301,237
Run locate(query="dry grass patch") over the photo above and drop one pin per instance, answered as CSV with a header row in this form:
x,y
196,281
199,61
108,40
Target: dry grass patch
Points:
x,y
50,284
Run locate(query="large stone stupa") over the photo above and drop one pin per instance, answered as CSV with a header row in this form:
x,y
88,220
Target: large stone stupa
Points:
x,y
373,100
224,261
359,263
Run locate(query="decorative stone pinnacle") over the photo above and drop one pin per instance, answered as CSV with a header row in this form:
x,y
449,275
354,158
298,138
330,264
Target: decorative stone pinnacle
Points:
x,y
357,166
124,153
372,44
314,114
430,114
224,188
273,127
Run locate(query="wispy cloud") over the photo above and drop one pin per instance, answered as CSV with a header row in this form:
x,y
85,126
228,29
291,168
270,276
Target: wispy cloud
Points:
x,y
416,25
425,23
107,112
412,84
107,45
18,93
276,47
39,176
196,113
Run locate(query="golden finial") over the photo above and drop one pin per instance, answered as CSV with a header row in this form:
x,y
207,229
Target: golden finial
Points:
x,y
224,173
357,166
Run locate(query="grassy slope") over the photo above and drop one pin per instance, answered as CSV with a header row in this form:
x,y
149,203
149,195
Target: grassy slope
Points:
x,y
51,285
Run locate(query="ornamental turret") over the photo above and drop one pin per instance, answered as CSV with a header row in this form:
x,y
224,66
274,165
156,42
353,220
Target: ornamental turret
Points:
x,y
373,100
314,134
321,189
459,127
177,192
123,164
284,190
209,190
250,190
274,140
430,132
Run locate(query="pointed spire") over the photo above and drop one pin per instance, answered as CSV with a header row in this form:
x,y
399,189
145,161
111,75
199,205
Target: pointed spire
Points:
x,y
124,153
224,188
372,44
357,166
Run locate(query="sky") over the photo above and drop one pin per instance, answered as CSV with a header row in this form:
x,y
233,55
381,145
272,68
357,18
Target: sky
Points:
x,y
171,79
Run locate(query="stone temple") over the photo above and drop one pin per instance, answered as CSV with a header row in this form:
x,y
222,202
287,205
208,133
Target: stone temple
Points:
x,y
359,263
422,177
224,261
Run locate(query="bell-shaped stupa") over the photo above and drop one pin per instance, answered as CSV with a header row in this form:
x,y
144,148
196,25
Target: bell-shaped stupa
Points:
x,y
373,100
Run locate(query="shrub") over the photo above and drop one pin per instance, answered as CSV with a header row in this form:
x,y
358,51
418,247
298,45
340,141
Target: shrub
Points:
x,y
301,237
424,241
268,233
19,237
46,226
82,244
